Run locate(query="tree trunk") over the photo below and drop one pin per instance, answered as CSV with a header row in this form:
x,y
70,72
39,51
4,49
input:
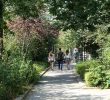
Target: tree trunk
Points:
x,y
1,27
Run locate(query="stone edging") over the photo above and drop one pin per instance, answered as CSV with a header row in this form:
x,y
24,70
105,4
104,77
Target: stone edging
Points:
x,y
22,97
26,93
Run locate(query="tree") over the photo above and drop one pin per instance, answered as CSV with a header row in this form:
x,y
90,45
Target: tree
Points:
x,y
84,14
66,39
1,26
24,8
35,36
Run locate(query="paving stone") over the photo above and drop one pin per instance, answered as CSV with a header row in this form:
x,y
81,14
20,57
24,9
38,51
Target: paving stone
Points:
x,y
65,85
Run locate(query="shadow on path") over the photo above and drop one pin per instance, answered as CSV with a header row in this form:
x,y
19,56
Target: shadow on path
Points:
x,y
63,85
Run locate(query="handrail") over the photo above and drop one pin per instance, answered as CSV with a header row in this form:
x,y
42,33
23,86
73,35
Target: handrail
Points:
x,y
47,69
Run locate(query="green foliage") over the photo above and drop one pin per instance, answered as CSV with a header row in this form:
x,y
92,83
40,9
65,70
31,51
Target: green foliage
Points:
x,y
38,49
106,57
3,95
94,73
83,67
16,74
25,8
40,66
12,8
1,27
105,52
78,14
66,39
16,71
89,77
36,37
108,79
90,20
97,77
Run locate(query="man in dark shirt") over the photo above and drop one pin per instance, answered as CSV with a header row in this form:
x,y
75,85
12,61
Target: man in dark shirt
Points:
x,y
60,59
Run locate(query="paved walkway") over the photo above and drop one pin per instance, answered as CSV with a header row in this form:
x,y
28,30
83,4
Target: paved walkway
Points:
x,y
65,85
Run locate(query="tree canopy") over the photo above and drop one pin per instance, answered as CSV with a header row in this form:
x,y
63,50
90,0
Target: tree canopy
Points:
x,y
24,8
81,13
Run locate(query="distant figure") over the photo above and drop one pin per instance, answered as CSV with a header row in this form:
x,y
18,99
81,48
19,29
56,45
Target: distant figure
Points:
x,y
88,56
60,59
51,59
76,54
68,59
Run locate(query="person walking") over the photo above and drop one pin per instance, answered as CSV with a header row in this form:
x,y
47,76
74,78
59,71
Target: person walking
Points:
x,y
68,59
76,54
60,59
51,59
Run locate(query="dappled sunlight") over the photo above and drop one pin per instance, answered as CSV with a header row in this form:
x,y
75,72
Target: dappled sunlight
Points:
x,y
63,85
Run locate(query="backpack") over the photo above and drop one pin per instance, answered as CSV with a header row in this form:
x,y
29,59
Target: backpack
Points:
x,y
60,56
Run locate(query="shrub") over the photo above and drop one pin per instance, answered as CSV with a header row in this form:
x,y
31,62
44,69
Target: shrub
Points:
x,y
15,74
3,95
17,70
89,77
108,79
97,77
84,67
40,66
81,69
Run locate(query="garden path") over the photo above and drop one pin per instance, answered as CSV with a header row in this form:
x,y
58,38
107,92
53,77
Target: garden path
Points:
x,y
65,85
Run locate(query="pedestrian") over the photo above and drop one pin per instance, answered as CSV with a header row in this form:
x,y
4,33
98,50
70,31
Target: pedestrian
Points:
x,y
51,59
68,59
76,54
60,59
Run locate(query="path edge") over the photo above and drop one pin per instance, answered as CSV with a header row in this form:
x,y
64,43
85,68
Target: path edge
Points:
x,y
22,97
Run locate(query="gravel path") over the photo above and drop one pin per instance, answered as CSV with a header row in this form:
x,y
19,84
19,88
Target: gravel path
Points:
x,y
65,85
